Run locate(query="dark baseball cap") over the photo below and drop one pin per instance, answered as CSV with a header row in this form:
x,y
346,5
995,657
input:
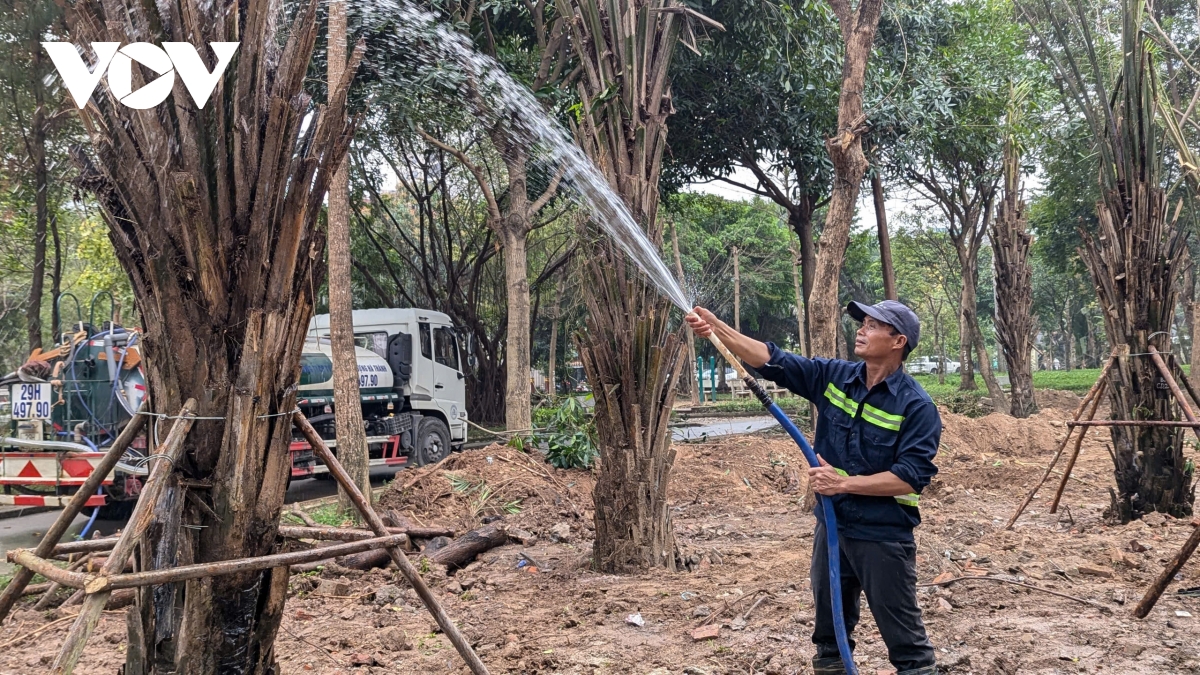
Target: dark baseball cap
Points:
x,y
893,313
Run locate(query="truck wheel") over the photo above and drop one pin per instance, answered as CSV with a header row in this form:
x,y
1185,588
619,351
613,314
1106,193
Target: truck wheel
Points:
x,y
433,441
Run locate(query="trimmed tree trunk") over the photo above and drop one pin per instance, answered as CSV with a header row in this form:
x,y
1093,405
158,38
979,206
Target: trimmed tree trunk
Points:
x,y
800,219
517,410
849,165
630,350
1195,356
551,366
1014,288
348,420
885,241
213,215
970,320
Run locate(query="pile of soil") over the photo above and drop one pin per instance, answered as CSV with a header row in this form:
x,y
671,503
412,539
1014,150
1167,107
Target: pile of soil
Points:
x,y
736,508
484,484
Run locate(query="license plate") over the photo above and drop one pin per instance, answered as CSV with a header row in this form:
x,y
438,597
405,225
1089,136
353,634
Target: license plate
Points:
x,y
31,401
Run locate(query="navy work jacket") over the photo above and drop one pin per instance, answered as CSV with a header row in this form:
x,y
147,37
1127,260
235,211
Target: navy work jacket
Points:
x,y
894,427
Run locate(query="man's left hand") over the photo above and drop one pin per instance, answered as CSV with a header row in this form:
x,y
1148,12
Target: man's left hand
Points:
x,y
826,480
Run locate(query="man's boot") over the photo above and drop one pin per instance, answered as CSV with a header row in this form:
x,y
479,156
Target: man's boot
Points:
x,y
927,670
828,666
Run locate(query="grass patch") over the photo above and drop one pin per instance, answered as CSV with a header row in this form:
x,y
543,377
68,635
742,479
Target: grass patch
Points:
x,y
793,405
331,515
1078,381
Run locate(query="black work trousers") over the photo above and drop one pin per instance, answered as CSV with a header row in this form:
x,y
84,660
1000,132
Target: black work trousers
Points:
x,y
887,572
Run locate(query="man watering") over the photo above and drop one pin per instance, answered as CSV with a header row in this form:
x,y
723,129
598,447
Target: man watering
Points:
x,y
877,435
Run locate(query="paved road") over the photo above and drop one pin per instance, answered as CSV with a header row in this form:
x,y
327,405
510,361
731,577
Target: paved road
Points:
x,y
26,531
699,428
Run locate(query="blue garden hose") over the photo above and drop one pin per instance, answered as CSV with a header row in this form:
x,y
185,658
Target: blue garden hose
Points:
x,y
825,507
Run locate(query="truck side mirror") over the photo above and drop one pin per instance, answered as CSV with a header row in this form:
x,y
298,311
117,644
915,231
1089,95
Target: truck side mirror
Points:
x,y
471,360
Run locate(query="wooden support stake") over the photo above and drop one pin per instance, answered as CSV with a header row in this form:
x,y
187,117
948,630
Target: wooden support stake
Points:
x,y
1063,445
1134,423
202,570
143,511
85,546
29,560
1187,383
1066,474
376,523
20,580
1166,373
354,534
1168,574
48,597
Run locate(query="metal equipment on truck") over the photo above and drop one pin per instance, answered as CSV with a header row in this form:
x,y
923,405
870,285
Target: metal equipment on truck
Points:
x,y
63,407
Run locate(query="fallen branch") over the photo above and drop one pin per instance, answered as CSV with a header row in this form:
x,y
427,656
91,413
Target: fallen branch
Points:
x,y
728,606
303,516
1014,582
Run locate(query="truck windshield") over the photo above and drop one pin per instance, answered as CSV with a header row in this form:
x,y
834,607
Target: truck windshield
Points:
x,y
445,346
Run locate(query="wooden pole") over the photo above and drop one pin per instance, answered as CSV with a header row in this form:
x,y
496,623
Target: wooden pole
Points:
x,y
1066,474
1168,574
85,546
199,571
1166,373
1187,383
1061,446
1134,423
22,576
351,534
376,524
143,511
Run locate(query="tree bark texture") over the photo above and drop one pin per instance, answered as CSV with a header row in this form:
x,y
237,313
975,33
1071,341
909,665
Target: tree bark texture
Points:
x,y
630,350
800,219
348,420
518,411
1015,327
552,365
212,213
849,165
885,240
970,316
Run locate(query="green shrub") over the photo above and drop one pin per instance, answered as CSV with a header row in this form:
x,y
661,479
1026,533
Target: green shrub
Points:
x,y
566,433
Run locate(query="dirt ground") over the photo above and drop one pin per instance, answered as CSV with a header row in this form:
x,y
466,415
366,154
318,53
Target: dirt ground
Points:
x,y
744,537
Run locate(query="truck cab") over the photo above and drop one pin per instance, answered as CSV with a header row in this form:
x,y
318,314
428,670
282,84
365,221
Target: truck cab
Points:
x,y
411,382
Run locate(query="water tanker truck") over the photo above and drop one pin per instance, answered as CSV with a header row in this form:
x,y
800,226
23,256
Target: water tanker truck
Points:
x,y
63,407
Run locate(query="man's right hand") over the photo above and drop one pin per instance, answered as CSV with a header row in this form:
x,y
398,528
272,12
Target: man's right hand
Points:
x,y
701,321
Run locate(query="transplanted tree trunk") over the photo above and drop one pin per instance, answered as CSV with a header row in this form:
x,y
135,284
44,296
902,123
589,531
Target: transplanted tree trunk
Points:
x,y
630,350
348,420
1014,285
849,165
1134,258
212,212
885,242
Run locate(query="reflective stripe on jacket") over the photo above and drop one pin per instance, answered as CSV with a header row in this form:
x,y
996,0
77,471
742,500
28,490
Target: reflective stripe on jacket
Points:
x,y
894,427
